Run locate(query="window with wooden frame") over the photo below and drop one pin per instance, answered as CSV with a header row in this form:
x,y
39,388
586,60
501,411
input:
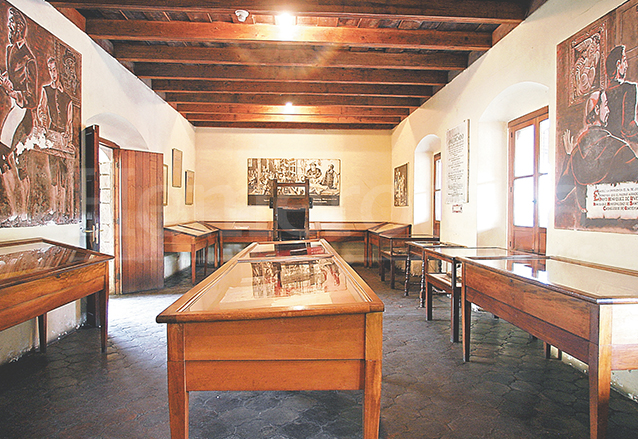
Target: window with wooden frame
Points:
x,y
437,195
530,194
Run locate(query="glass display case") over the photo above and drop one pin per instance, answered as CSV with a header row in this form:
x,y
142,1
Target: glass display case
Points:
x,y
38,275
277,316
586,310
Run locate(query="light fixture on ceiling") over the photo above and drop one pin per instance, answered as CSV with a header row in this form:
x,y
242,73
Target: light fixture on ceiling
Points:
x,y
285,20
289,108
242,15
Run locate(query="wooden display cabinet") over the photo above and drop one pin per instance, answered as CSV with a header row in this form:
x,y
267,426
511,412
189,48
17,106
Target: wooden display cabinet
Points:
x,y
588,311
278,316
38,275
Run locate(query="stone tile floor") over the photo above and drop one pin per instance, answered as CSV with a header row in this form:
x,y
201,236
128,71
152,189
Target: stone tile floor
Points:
x,y
508,390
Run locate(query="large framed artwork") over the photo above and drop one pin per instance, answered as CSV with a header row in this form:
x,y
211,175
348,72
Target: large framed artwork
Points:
x,y
324,176
40,114
597,126
401,186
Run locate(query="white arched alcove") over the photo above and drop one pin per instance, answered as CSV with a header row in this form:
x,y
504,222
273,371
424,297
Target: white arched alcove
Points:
x,y
119,130
513,102
423,180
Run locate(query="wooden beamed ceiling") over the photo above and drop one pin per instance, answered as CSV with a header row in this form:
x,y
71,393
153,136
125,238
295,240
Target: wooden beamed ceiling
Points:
x,y
342,64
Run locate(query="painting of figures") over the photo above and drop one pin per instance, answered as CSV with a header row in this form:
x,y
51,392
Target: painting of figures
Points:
x,y
597,126
324,176
40,97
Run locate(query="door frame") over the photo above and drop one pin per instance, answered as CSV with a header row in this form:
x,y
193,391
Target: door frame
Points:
x,y
115,200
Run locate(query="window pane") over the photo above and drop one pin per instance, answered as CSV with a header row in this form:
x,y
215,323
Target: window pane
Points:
x,y
437,174
524,151
545,199
437,205
543,160
524,202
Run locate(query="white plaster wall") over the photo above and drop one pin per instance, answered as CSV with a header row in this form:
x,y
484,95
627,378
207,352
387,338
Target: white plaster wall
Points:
x,y
221,171
109,92
525,56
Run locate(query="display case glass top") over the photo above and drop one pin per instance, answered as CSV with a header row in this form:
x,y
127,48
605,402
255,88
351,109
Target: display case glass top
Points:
x,y
188,230
482,252
291,251
262,281
26,259
386,227
198,226
433,244
588,282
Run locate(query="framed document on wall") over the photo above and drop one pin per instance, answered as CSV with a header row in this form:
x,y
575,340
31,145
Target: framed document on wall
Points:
x,y
457,147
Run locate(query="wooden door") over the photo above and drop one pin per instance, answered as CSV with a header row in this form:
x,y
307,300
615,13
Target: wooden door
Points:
x,y
142,220
530,194
92,187
90,162
437,202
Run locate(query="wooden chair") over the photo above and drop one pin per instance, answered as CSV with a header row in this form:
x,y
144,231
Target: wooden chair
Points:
x,y
290,204
394,249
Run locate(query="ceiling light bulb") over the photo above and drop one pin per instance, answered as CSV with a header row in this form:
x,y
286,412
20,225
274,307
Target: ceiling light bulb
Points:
x,y
288,108
241,14
286,20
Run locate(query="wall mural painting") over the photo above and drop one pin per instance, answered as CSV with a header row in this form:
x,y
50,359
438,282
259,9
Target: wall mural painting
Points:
x,y
324,176
597,126
40,97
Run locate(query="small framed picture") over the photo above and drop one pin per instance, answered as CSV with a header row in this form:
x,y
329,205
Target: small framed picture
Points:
x,y
401,186
190,186
177,168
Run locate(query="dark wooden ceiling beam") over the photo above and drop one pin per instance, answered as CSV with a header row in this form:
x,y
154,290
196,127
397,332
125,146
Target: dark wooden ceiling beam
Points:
x,y
297,57
277,87
230,117
328,110
469,11
324,74
140,30
294,125
271,99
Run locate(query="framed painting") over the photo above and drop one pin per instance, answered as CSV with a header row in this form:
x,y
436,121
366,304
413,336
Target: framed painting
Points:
x,y
40,114
401,186
177,168
596,171
190,187
324,176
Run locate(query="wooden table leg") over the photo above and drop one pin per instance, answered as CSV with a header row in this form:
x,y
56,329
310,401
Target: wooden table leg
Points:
x,y
205,260
466,317
600,375
408,263
422,285
456,305
177,394
193,263
428,300
373,374
102,300
42,332
392,271
366,251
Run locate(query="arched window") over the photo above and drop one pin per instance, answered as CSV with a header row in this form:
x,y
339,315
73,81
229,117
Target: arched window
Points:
x,y
423,218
